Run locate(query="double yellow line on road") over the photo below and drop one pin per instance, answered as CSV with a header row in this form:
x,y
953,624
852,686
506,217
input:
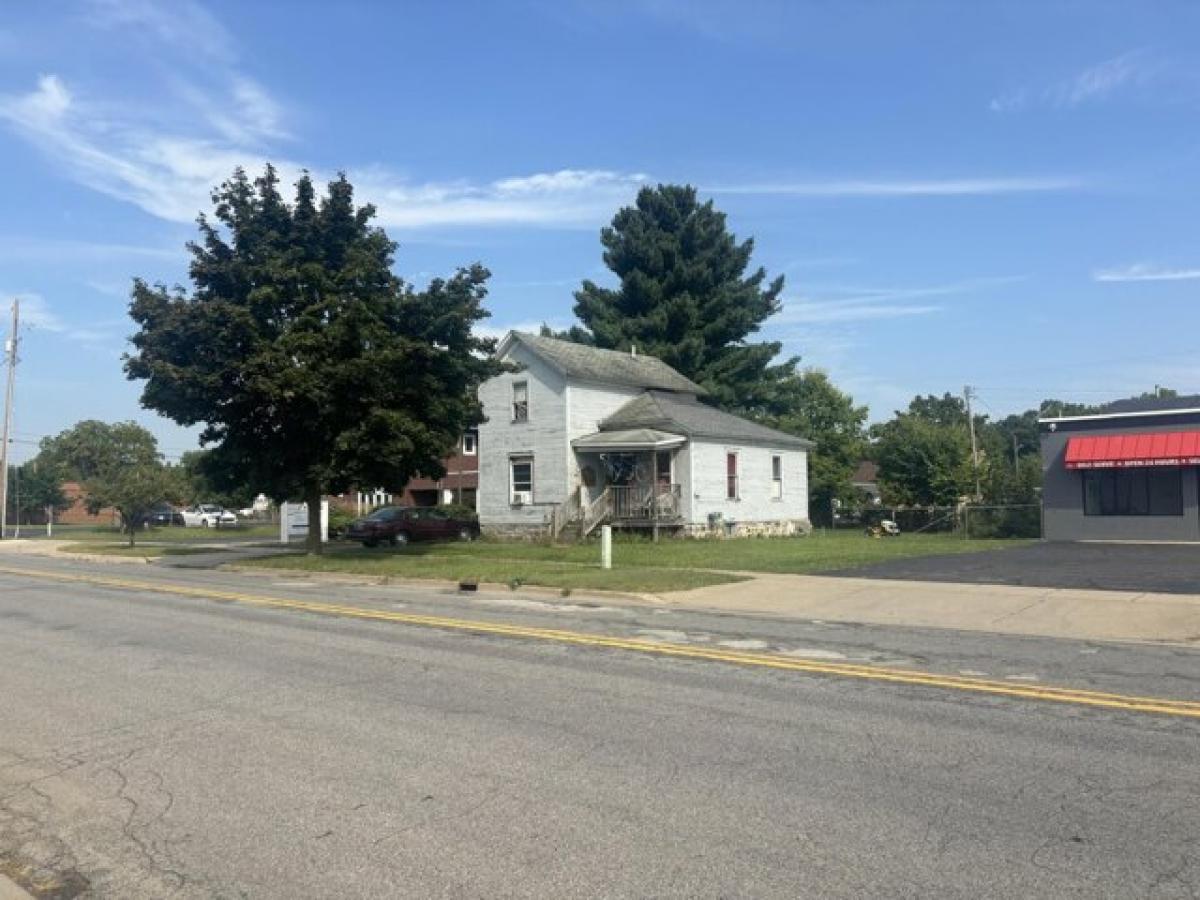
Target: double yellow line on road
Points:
x,y
1155,705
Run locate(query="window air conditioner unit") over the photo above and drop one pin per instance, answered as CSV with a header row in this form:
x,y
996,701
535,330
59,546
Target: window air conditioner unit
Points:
x,y
520,498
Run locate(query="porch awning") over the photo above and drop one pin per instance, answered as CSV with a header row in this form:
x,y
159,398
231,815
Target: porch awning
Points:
x,y
1122,451
631,439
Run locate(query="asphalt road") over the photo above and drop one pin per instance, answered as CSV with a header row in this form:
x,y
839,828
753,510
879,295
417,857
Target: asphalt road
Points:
x,y
158,745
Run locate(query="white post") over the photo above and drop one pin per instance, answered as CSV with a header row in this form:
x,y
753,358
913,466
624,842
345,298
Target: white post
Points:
x,y
49,521
283,522
606,546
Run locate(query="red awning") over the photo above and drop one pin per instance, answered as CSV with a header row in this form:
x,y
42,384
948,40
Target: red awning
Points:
x,y
1120,451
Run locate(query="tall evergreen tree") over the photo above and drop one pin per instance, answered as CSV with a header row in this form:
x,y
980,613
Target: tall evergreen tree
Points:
x,y
685,297
311,365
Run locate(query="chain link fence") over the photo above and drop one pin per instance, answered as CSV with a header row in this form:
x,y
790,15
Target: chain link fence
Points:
x,y
969,520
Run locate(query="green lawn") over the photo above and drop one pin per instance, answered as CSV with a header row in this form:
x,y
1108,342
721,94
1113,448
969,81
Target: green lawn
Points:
x,y
818,552
638,565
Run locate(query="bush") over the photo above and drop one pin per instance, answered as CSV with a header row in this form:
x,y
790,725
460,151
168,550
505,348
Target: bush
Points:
x,y
339,520
459,511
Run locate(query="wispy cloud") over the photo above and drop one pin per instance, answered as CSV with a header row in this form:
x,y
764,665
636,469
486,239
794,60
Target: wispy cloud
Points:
x,y
568,197
166,175
808,312
1128,71
21,248
1099,81
920,187
182,129
243,112
170,174
1145,272
183,24
847,303
37,315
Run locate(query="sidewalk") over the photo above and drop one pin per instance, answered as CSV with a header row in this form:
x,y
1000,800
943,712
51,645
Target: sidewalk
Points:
x,y
1047,612
1004,609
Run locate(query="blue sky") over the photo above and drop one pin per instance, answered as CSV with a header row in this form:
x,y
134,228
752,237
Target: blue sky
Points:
x,y
1001,194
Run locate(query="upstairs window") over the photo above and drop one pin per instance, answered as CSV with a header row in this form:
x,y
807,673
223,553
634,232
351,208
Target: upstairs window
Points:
x,y
470,444
520,401
776,477
731,476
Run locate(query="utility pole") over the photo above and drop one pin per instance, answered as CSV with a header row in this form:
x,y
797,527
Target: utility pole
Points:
x,y
10,351
1016,461
968,393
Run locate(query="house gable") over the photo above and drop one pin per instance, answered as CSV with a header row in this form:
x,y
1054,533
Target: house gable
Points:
x,y
541,437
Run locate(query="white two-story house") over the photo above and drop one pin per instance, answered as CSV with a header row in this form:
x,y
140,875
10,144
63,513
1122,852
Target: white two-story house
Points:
x,y
576,437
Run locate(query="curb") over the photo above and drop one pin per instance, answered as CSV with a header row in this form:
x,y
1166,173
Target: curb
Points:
x,y
491,587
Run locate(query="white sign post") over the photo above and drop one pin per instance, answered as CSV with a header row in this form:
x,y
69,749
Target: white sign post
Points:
x,y
606,547
293,522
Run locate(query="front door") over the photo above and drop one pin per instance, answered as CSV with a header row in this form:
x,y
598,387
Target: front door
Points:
x,y
662,465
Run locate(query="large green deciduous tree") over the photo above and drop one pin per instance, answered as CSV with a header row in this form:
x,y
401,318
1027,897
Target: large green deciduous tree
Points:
x,y
117,465
820,412
685,297
310,364
948,410
134,491
33,489
205,481
922,463
91,448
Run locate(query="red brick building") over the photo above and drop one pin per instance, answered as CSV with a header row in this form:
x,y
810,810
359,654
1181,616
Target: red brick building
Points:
x,y
459,485
77,513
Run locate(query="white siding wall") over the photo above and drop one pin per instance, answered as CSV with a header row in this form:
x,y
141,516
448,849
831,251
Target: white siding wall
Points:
x,y
686,480
755,503
542,437
587,406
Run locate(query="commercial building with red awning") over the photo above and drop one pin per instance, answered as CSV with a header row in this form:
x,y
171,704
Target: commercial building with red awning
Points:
x,y
1118,451
1131,472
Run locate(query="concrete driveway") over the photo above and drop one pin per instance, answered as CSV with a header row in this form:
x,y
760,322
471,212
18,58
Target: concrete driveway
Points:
x,y
1158,568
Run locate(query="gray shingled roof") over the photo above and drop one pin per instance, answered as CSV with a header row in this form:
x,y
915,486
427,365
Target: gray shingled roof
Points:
x,y
689,416
607,366
631,437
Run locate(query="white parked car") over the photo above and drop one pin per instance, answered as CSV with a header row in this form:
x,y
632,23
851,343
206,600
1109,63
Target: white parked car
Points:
x,y
209,515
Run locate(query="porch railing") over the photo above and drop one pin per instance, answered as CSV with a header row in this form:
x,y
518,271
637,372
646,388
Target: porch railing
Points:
x,y
596,512
646,503
570,510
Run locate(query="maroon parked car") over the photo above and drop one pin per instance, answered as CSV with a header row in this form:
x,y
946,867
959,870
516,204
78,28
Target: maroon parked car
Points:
x,y
397,525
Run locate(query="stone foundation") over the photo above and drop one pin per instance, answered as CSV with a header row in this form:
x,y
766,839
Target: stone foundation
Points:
x,y
785,528
530,532
774,528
